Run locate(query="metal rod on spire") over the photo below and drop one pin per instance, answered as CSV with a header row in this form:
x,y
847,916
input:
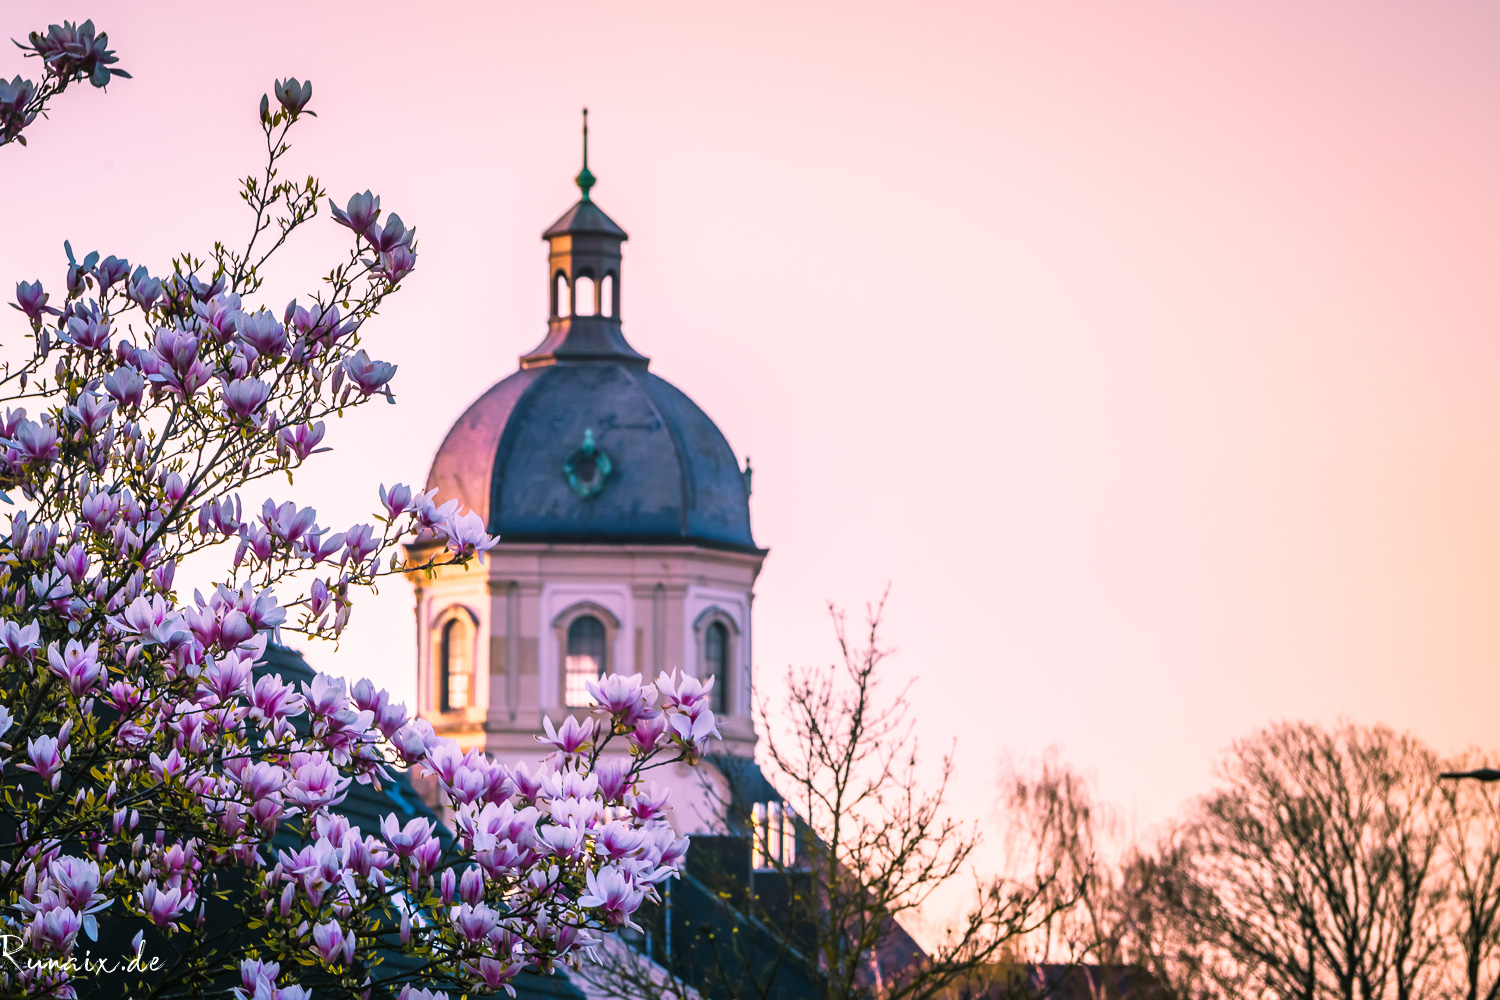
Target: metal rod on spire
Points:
x,y
585,179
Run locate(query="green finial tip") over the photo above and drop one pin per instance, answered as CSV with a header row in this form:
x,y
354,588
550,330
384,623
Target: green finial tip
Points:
x,y
585,179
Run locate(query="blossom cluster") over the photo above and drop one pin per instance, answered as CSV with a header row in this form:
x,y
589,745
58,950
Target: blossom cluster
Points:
x,y
70,53
146,758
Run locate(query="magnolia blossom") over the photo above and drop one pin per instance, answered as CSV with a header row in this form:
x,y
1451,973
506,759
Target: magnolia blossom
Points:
x,y
370,376
332,944
362,210
243,397
613,892
293,95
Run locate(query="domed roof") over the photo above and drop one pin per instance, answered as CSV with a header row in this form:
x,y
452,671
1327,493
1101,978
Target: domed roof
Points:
x,y
583,443
594,451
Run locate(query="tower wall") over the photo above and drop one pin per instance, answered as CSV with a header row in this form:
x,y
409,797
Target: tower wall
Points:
x,y
656,601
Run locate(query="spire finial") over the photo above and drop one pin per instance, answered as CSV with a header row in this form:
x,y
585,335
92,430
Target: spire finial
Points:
x,y
585,180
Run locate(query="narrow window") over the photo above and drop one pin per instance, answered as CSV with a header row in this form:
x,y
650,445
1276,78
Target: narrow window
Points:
x,y
456,659
607,296
586,659
716,664
560,295
773,836
583,295
758,822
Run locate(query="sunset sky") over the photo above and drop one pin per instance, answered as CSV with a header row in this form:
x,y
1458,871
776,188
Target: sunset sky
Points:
x,y
1148,351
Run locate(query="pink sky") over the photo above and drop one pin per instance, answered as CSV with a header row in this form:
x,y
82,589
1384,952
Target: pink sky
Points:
x,y
1148,350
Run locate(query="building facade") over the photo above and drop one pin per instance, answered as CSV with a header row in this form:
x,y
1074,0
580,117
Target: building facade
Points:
x,y
624,524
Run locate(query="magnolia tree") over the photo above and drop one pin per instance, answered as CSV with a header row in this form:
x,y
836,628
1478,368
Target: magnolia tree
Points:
x,y
151,778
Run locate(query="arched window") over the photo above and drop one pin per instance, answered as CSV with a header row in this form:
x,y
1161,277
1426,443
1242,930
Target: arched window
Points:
x,y
607,296
586,659
716,662
455,666
583,296
560,295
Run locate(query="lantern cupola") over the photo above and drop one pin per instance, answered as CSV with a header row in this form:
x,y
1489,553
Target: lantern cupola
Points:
x,y
583,273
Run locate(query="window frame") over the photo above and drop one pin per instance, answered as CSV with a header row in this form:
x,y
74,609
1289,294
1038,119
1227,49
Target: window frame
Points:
x,y
725,692
560,626
440,683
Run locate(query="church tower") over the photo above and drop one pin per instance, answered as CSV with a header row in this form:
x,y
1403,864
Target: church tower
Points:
x,y
624,525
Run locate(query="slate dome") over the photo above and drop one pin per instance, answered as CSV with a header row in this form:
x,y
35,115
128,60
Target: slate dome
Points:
x,y
583,444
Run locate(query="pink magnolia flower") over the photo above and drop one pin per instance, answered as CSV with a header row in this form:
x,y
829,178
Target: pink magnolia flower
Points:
x,y
223,516
398,501
254,971
361,542
220,316
233,630
369,376
528,786
332,944
565,840
56,929
429,515
471,886
293,95
613,892
392,235
316,782
34,443
76,664
244,396
474,923
91,412
390,718
286,521
614,775
162,906
397,263
414,739
20,641
410,992
301,440
89,333
46,756
263,333
618,840
73,563
362,210
494,972
263,779
648,734
272,699
125,386
679,689
325,695
318,597
571,738
406,840
465,535
623,696
648,805
99,510
227,677
668,847
169,766
31,300
144,290
78,880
